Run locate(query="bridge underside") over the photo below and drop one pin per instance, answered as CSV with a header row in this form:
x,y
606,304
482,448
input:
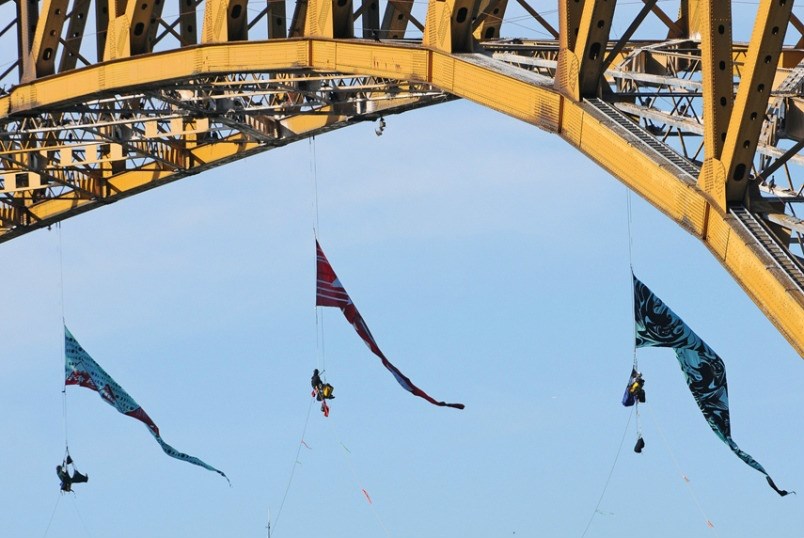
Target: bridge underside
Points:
x,y
665,116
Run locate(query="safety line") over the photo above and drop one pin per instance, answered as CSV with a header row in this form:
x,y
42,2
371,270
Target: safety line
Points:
x,y
52,515
684,477
319,314
314,173
81,519
631,280
63,323
355,478
293,468
631,264
611,472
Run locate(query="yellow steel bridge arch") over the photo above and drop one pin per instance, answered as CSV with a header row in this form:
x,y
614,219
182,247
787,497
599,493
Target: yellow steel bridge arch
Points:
x,y
706,128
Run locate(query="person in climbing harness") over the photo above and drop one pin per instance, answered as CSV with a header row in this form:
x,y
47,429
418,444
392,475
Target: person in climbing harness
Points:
x,y
315,381
67,479
634,391
321,390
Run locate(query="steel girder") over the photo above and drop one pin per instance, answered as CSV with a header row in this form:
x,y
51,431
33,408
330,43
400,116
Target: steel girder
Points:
x,y
164,92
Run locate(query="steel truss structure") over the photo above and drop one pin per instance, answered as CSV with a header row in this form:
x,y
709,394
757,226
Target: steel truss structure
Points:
x,y
103,99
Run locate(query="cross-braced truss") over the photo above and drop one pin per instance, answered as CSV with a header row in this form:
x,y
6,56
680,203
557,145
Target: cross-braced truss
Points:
x,y
697,105
75,150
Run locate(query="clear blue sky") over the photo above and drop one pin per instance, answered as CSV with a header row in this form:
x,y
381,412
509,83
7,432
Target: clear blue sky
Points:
x,y
490,261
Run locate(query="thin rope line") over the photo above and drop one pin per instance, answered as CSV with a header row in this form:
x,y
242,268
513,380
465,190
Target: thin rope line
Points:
x,y
64,417
611,472
63,323
61,272
669,449
293,469
314,172
633,298
356,479
630,234
53,514
321,360
631,267
81,519
320,342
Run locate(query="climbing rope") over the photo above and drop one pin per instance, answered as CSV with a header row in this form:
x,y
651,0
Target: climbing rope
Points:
x,y
347,454
80,518
681,472
631,279
608,479
61,348
293,467
52,514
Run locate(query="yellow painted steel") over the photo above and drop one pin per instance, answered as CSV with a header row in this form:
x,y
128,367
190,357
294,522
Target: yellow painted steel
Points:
x,y
753,94
568,69
464,76
395,19
689,20
46,39
718,81
75,35
590,45
448,26
490,19
225,20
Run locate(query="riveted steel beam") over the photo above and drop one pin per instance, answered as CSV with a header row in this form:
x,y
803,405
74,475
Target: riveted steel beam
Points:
x,y
370,17
590,45
188,23
329,18
46,39
75,34
119,29
143,16
277,19
474,77
27,19
718,94
448,26
225,20
489,19
297,23
689,20
395,19
752,95
567,70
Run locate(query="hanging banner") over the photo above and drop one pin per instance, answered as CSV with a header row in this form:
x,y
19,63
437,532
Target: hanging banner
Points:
x,y
82,370
705,372
330,292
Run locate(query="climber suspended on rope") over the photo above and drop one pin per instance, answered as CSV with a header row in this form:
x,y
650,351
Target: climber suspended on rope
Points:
x,y
634,391
322,391
634,395
67,479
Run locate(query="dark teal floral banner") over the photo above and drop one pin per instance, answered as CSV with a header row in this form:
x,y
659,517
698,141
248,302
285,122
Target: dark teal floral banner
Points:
x,y
658,326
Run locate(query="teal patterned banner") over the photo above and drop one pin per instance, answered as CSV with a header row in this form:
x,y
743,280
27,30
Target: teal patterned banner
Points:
x,y
658,326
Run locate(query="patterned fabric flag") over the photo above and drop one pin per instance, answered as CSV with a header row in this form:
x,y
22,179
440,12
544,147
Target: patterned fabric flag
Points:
x,y
82,370
658,326
330,292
